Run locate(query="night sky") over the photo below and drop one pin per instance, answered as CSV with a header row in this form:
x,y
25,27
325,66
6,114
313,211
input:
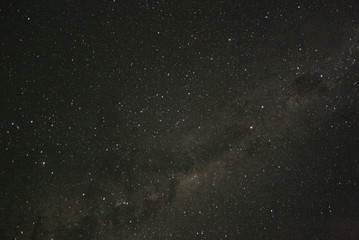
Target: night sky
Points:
x,y
179,120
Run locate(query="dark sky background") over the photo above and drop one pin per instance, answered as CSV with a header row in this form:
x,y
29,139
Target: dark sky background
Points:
x,y
179,120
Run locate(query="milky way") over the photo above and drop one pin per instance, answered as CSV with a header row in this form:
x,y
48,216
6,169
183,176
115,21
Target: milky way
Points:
x,y
179,120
